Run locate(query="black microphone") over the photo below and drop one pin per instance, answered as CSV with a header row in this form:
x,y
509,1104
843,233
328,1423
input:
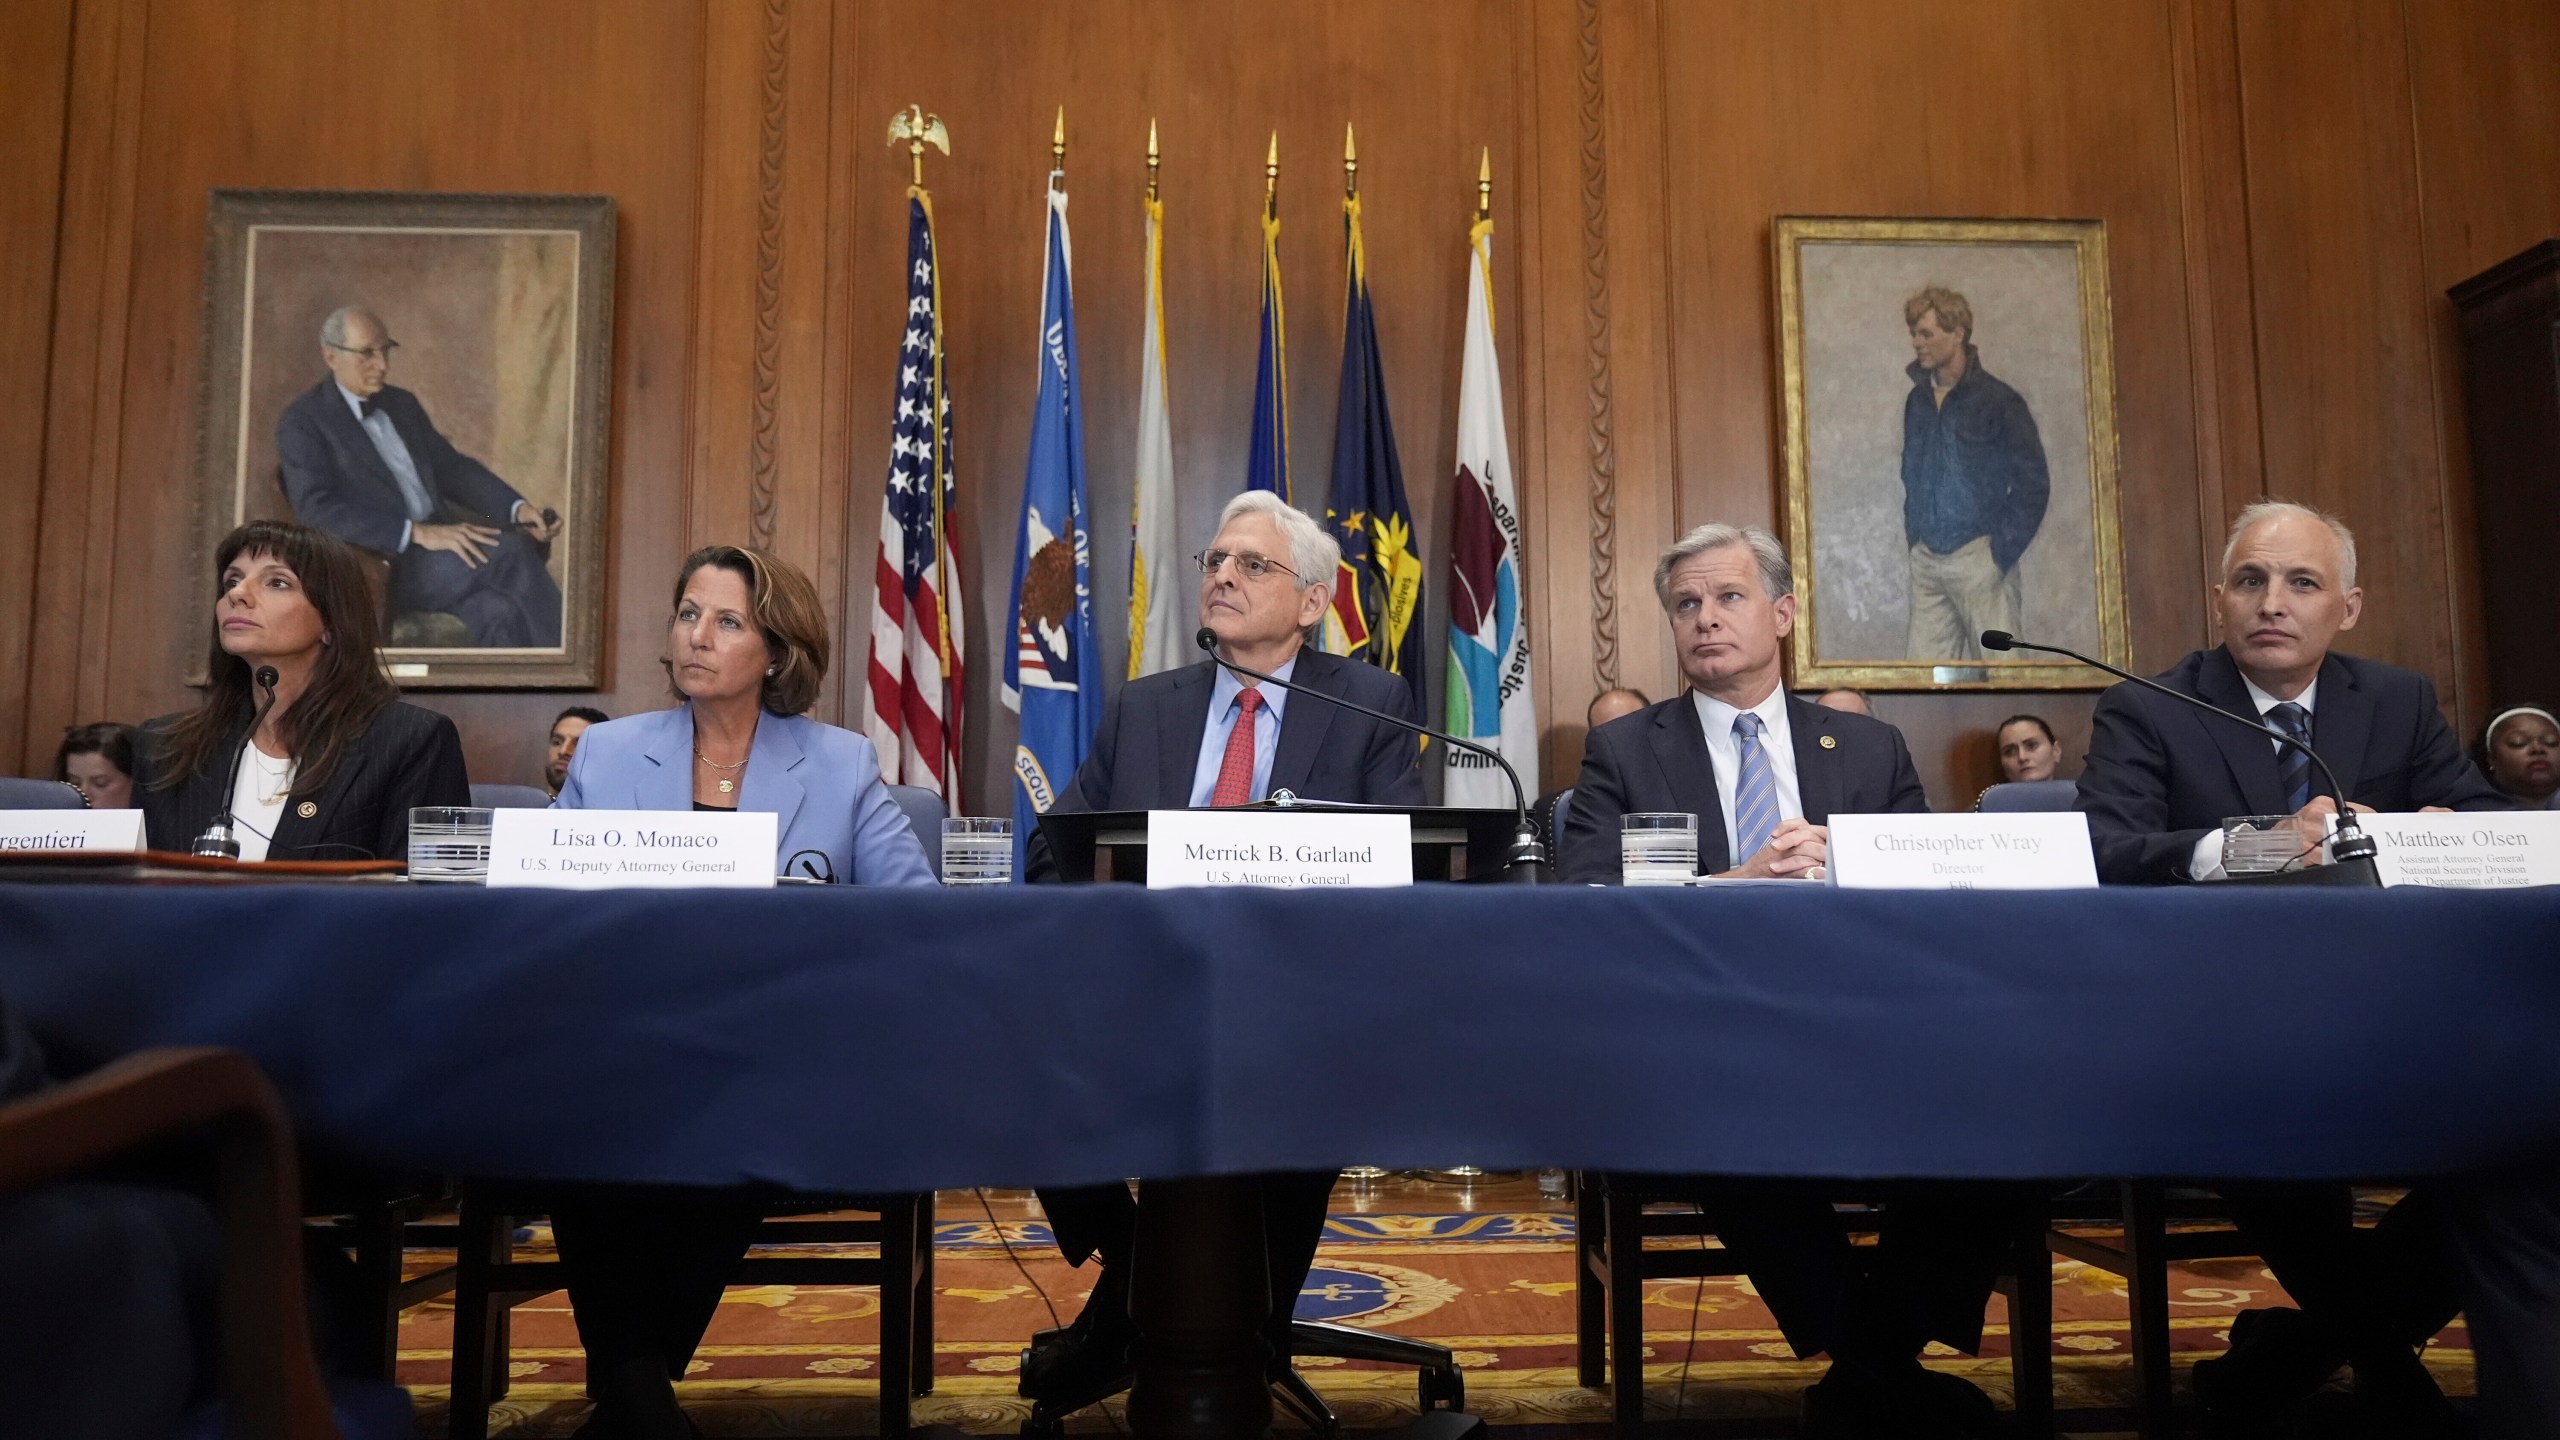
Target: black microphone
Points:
x,y
1528,857
217,841
2349,844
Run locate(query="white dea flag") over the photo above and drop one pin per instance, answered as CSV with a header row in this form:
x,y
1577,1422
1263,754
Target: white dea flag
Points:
x,y
1158,639
1488,675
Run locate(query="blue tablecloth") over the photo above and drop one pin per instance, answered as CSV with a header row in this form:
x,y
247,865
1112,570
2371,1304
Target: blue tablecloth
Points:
x,y
870,1040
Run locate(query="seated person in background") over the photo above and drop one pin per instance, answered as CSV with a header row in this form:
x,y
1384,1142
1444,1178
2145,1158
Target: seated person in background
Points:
x,y
1761,770
1764,772
1845,700
2027,749
98,761
563,745
747,651
2159,780
2521,752
1606,706
1205,736
362,461
2161,777
339,760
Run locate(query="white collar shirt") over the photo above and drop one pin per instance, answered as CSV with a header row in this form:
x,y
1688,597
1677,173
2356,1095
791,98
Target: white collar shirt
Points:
x,y
1776,737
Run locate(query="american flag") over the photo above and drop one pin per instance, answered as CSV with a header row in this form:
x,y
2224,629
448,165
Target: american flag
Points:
x,y
917,635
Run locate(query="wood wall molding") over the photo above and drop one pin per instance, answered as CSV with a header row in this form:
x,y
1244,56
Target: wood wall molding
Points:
x,y
1590,124
772,148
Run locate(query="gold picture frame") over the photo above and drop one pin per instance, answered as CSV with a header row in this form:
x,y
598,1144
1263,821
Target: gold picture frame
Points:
x,y
1878,602
501,307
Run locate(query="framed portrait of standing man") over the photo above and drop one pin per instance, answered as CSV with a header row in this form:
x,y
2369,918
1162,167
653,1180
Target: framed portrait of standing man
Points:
x,y
1950,449
425,377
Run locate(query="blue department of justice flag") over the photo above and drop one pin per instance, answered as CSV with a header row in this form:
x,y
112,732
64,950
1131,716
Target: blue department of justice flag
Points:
x,y
1377,592
1052,667
1267,468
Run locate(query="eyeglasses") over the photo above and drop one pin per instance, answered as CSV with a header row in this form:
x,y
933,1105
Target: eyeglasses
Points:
x,y
1253,566
381,352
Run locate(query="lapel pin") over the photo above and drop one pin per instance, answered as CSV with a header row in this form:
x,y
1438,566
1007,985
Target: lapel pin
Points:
x,y
309,808
1830,744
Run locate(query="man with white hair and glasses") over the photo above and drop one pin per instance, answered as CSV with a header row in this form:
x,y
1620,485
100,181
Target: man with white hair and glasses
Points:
x,y
1203,736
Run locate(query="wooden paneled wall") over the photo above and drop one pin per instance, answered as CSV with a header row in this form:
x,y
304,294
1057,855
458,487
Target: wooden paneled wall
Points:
x,y
2289,185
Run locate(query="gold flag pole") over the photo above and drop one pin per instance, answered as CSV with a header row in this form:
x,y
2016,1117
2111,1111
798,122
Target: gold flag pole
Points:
x,y
1350,164
1271,181
1484,187
919,129
1155,157
1058,152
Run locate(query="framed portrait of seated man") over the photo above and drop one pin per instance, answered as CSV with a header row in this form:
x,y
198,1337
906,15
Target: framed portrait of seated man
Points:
x,y
1949,441
427,378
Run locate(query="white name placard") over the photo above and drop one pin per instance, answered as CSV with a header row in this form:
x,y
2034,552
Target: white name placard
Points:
x,y
2044,850
615,849
1284,852
59,830
2493,850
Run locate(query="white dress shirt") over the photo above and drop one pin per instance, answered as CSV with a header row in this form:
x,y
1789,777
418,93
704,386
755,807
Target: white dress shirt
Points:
x,y
414,494
1716,717
254,817
2206,861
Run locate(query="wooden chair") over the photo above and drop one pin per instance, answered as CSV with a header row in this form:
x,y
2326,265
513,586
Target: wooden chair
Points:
x,y
270,1387
490,1280
1615,1214
2141,1251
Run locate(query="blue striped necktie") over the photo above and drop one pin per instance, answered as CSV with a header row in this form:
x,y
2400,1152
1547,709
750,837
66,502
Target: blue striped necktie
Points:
x,y
2293,767
1755,790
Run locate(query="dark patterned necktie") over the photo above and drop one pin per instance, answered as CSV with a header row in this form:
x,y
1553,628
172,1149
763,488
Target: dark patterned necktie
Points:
x,y
2293,767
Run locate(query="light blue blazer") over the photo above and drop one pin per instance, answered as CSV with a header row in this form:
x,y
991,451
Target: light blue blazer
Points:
x,y
822,782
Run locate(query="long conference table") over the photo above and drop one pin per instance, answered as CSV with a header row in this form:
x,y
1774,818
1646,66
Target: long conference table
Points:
x,y
834,1040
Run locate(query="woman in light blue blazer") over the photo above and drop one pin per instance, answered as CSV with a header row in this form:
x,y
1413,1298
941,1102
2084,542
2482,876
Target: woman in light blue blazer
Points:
x,y
747,649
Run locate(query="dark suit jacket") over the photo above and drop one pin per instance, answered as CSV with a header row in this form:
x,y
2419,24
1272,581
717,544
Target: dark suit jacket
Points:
x,y
336,481
2160,774
407,758
1148,746
1656,760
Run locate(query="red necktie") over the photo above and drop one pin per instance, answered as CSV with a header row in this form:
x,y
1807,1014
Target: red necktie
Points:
x,y
1235,768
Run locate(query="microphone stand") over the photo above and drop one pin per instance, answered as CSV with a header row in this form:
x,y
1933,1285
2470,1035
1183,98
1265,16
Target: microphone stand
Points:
x,y
2351,851
1527,862
218,842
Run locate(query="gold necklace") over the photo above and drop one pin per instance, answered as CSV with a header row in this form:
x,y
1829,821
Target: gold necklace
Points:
x,y
284,778
727,785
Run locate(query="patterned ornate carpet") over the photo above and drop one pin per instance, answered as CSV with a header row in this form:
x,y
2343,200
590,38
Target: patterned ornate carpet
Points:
x,y
1495,1287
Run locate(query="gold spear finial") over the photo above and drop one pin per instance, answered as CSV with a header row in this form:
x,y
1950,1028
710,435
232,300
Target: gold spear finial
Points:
x,y
1155,157
1058,146
1271,180
1350,162
918,130
1484,186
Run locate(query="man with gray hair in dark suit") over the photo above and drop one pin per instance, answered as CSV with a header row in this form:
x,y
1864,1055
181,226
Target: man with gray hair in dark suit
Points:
x,y
362,461
1764,773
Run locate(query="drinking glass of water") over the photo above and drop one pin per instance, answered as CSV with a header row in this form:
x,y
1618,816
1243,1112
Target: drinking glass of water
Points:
x,y
449,844
977,851
1657,848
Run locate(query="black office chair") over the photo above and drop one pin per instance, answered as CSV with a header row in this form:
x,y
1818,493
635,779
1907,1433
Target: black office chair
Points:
x,y
490,1281
1439,1383
18,794
1616,1213
509,797
2011,797
924,811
